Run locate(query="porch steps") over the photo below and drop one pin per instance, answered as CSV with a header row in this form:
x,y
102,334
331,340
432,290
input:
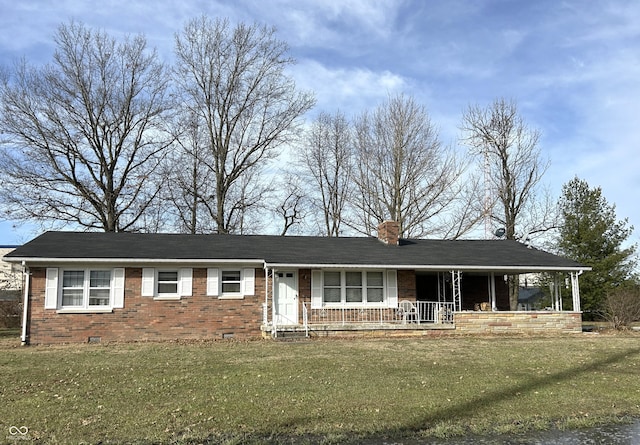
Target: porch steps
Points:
x,y
290,335
285,333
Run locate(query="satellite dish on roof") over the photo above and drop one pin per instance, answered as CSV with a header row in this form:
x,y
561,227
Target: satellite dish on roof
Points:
x,y
499,233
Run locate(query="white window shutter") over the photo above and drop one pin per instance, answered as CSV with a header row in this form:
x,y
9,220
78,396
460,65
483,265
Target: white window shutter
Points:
x,y
117,285
392,288
51,289
185,282
248,282
212,282
148,282
316,289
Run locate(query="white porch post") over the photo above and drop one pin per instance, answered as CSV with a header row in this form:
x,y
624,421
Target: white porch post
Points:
x,y
575,291
273,296
442,297
274,317
559,293
266,296
457,293
556,298
492,291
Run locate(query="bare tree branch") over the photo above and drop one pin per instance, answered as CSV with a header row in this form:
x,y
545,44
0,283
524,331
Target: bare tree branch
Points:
x,y
326,157
233,81
514,168
84,134
403,171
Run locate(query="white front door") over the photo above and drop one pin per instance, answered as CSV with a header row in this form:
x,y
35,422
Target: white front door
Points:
x,y
286,303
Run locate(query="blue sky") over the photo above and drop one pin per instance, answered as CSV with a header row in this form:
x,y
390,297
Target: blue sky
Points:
x,y
572,66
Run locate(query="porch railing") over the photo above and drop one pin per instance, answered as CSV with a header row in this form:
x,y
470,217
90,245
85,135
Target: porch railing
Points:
x,y
305,319
421,312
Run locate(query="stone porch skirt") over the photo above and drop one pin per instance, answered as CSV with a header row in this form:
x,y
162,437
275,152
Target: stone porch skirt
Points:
x,y
465,322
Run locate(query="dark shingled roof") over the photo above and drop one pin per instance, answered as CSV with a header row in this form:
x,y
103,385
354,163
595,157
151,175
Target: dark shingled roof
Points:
x,y
290,250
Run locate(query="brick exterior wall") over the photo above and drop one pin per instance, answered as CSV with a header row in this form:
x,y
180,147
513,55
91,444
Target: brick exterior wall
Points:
x,y
407,285
304,289
195,317
542,322
202,317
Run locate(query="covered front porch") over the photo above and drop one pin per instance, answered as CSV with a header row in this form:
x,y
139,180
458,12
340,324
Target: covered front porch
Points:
x,y
426,302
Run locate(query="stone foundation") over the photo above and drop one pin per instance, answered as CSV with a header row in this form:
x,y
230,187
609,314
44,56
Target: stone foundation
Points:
x,y
541,322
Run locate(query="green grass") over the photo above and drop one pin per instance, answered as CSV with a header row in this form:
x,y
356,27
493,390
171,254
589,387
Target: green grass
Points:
x,y
322,391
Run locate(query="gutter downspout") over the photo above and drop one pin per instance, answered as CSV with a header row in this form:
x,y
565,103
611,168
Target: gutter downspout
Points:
x,y
575,290
25,305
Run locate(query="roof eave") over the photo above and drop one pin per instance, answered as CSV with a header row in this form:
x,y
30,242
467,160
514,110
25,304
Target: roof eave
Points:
x,y
441,267
34,260
262,262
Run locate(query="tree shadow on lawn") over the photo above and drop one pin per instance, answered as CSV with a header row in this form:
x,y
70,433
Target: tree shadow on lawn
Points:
x,y
461,410
457,412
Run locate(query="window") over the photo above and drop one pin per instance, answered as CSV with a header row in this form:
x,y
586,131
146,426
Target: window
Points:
x,y
99,287
353,281
231,281
332,287
168,282
72,287
353,287
86,288
375,287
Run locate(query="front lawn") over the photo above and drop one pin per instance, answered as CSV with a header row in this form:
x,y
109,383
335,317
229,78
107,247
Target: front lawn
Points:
x,y
315,391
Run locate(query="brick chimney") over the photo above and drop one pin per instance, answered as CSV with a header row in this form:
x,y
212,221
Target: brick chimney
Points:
x,y
388,232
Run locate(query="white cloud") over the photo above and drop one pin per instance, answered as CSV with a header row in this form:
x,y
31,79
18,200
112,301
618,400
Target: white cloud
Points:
x,y
347,89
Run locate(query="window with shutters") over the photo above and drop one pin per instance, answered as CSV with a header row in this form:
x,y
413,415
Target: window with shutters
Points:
x,y
167,283
230,282
353,287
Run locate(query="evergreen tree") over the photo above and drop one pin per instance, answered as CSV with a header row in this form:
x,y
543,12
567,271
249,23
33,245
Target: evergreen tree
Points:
x,y
591,234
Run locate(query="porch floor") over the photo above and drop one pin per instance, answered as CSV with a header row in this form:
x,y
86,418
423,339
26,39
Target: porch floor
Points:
x,y
383,329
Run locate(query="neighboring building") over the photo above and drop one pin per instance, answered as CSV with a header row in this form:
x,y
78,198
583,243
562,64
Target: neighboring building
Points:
x,y
10,276
530,298
10,291
132,286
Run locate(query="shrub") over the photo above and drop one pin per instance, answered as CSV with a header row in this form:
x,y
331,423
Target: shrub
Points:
x,y
622,306
10,313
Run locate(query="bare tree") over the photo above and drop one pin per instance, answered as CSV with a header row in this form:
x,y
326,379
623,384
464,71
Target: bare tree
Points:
x,y
403,172
292,207
83,136
513,165
233,80
326,157
465,211
190,183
